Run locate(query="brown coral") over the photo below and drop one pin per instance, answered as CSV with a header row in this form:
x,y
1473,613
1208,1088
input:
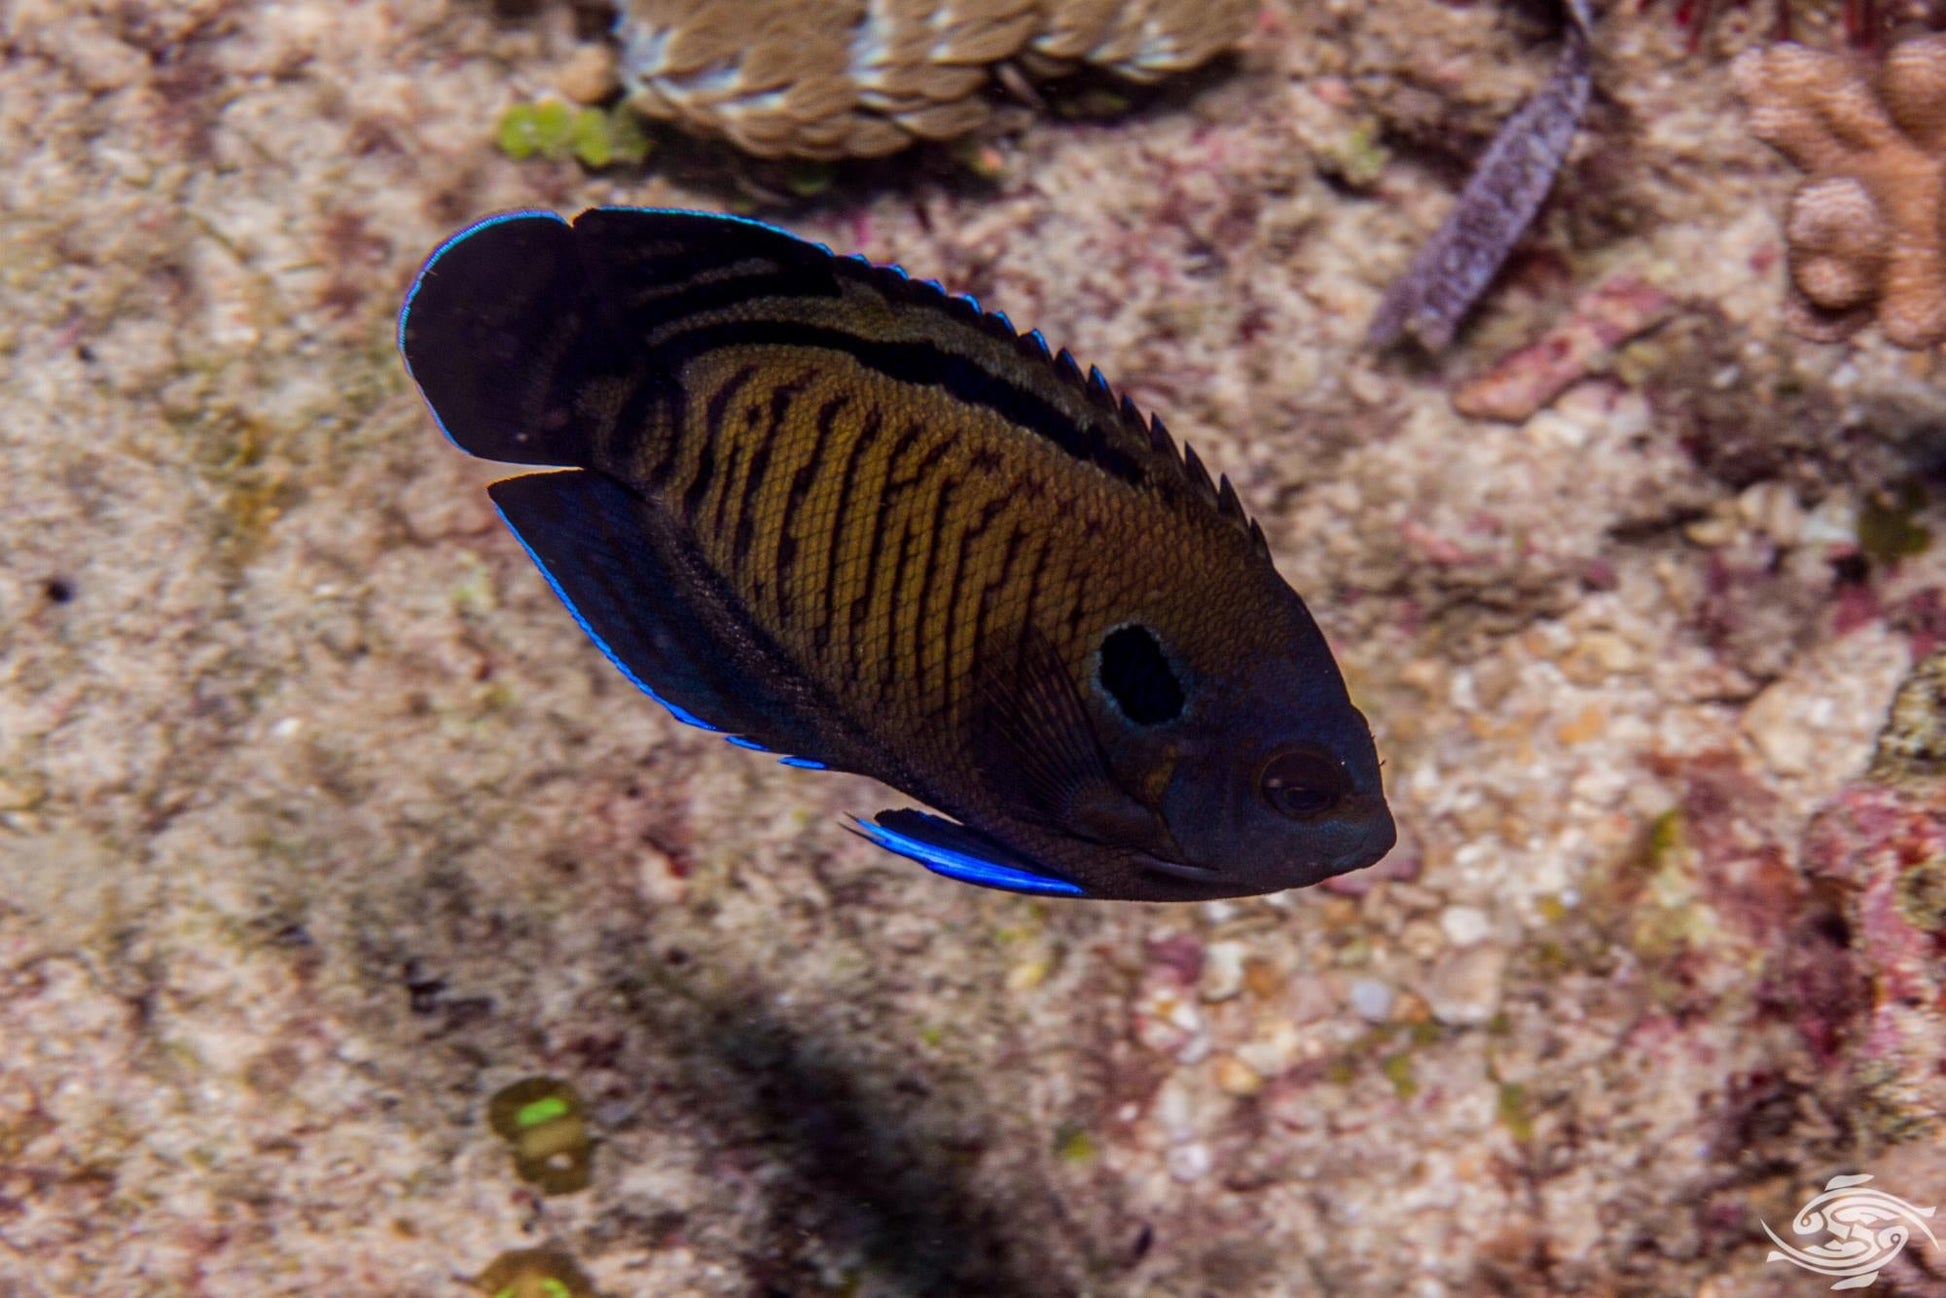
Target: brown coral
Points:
x,y
861,78
1867,230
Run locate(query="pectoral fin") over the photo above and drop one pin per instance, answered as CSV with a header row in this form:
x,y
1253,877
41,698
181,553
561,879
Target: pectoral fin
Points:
x,y
1036,750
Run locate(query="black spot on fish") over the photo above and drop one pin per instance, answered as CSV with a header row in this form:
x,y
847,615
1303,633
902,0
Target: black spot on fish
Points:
x,y
1138,677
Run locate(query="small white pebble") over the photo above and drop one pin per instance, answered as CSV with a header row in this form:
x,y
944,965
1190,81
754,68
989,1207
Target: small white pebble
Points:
x,y
1220,912
286,728
1222,971
1190,1162
1465,925
1371,999
1175,1109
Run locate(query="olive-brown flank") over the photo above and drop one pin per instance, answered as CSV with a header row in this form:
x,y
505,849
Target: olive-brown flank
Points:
x,y
842,516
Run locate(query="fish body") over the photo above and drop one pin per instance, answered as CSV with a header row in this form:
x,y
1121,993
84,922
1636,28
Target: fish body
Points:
x,y
844,517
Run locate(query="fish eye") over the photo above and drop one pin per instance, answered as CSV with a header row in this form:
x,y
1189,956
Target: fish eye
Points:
x,y
1137,675
1304,782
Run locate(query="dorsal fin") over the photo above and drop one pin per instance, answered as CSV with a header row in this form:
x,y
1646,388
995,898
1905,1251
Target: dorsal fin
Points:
x,y
1198,475
1227,503
692,281
1093,386
1159,439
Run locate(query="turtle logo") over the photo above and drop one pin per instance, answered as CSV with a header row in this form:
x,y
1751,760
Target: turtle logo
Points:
x,y
1868,1228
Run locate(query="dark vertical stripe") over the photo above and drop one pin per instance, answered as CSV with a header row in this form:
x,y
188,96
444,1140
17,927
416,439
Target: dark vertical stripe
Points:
x,y
969,537
861,602
942,506
888,499
801,483
648,413
1075,614
668,451
863,442
739,447
719,401
1034,584
989,591
744,522
907,436
889,667
692,496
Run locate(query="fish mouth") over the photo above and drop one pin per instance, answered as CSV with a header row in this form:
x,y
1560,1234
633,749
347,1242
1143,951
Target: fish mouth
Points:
x,y
1180,869
1381,836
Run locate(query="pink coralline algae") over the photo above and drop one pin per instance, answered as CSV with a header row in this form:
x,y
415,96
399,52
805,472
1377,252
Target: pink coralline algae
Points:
x,y
1523,381
1883,840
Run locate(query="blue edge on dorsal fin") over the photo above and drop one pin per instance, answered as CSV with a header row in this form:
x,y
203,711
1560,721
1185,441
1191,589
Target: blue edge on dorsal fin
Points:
x,y
943,859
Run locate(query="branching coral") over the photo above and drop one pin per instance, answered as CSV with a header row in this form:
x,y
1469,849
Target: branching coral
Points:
x,y
1867,230
836,78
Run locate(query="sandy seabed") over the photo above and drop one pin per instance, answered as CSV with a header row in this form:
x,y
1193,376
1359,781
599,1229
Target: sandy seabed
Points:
x,y
320,822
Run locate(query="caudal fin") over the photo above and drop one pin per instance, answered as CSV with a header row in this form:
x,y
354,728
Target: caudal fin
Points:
x,y
501,332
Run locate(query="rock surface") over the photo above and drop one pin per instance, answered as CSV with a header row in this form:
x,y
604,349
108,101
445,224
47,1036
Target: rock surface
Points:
x,y
320,824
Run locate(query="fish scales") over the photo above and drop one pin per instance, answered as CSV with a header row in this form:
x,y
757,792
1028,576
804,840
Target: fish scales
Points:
x,y
884,512
900,516
847,517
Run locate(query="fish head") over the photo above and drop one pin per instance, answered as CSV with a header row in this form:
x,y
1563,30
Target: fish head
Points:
x,y
1275,782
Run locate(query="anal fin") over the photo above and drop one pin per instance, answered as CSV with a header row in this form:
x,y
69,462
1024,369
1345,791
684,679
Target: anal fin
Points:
x,y
595,543
961,853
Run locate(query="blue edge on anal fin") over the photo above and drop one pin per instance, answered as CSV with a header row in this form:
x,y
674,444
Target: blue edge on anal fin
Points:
x,y
801,763
938,853
940,845
681,714
940,856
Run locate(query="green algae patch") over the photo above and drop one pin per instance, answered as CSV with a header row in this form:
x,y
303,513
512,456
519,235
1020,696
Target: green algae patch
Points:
x,y
1888,525
1511,1110
1072,1143
1921,895
594,137
1398,1071
542,1118
534,1273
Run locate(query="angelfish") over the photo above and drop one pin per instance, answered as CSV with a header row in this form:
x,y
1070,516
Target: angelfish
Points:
x,y
842,516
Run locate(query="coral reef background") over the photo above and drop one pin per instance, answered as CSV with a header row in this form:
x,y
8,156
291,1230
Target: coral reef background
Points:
x,y
320,825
